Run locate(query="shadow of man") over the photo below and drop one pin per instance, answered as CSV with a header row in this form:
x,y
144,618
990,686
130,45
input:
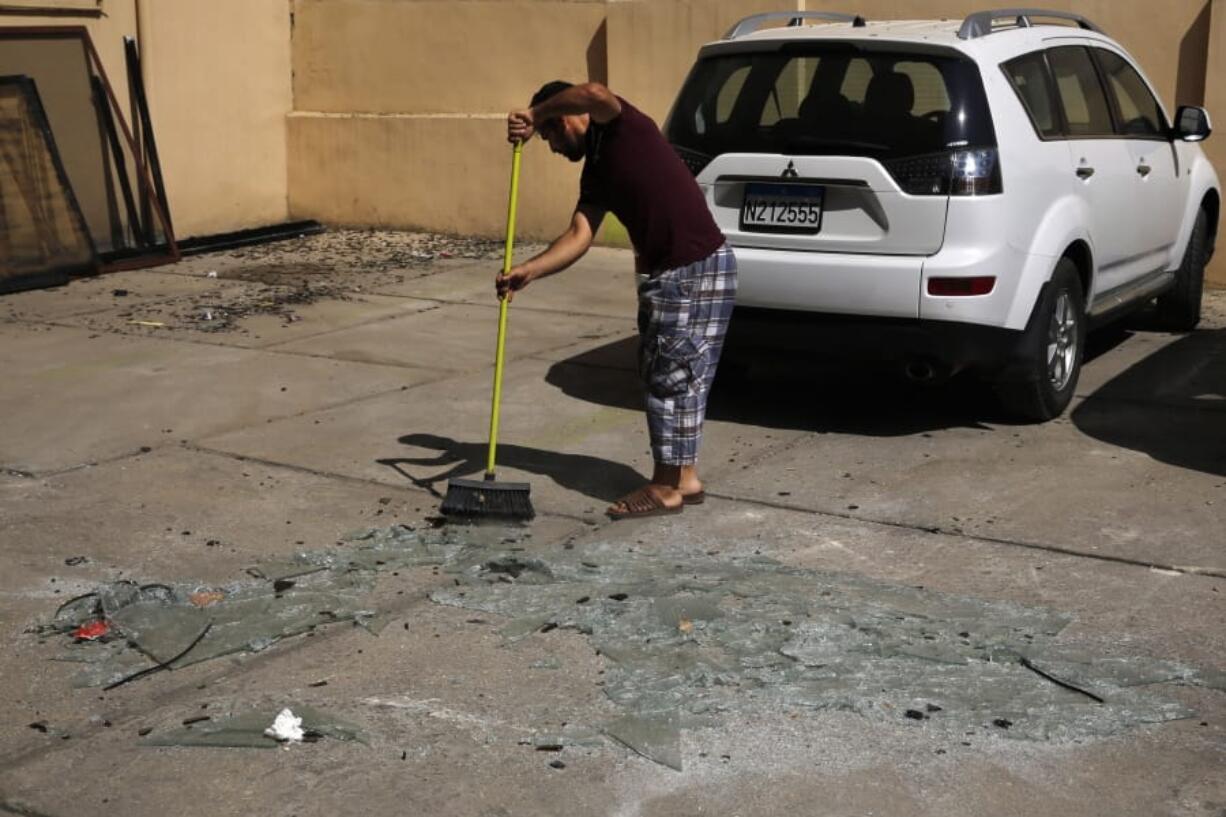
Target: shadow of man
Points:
x,y
593,477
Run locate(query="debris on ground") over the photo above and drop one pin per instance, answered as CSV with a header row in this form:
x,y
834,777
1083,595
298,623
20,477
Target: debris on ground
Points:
x,y
656,737
250,730
206,598
686,637
280,277
370,251
286,728
124,630
92,630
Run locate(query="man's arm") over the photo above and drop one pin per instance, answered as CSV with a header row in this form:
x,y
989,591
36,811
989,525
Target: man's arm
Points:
x,y
590,98
565,250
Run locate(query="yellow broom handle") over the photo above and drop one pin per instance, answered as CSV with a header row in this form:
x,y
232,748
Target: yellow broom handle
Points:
x,y
502,309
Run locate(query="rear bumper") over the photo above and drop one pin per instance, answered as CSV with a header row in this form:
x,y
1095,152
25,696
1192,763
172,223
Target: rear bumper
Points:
x,y
946,347
837,283
894,286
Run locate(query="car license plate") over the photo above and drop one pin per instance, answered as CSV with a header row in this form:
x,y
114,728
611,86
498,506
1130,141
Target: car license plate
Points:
x,y
782,207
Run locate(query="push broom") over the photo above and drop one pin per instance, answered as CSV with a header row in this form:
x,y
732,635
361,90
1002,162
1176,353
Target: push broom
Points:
x,y
487,498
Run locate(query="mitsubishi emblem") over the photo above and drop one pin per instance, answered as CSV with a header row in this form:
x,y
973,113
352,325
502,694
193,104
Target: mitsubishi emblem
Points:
x,y
789,172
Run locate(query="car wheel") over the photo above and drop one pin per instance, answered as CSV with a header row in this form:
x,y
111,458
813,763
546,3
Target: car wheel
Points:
x,y
1052,350
1179,309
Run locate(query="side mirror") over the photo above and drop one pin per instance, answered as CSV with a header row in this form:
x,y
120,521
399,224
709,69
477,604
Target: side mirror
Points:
x,y
1192,124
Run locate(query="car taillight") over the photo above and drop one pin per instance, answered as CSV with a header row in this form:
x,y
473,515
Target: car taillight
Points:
x,y
976,172
965,172
694,160
954,287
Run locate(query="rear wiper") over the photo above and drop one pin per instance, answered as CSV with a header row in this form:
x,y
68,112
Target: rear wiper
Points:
x,y
804,144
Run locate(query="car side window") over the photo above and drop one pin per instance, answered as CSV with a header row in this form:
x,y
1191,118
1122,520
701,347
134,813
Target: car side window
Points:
x,y
1081,93
1029,77
1140,114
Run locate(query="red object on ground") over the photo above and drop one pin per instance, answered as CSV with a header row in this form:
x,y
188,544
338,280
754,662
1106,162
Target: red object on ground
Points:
x,y
92,630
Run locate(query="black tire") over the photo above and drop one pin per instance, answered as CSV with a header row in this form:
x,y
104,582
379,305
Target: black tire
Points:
x,y
1051,352
1179,308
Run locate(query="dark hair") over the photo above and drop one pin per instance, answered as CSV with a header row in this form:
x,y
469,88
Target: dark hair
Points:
x,y
550,89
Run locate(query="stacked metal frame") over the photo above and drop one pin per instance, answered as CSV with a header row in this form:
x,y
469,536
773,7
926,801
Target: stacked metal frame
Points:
x,y
124,213
43,236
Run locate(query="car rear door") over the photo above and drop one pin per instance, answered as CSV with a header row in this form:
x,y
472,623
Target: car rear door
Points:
x,y
1105,169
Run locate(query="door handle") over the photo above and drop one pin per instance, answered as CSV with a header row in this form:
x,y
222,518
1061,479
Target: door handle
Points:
x,y
1085,172
1144,169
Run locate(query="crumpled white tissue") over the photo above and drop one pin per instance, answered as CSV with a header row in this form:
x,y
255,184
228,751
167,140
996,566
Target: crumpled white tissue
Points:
x,y
286,727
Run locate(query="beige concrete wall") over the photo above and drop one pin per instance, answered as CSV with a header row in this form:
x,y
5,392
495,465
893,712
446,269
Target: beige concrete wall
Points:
x,y
653,44
449,174
400,109
218,77
427,56
403,129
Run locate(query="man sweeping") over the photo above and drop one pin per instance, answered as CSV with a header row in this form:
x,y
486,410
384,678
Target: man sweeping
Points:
x,y
687,297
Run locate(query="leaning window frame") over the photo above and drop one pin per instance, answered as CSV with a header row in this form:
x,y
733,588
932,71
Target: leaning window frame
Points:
x,y
1061,122
169,250
1117,118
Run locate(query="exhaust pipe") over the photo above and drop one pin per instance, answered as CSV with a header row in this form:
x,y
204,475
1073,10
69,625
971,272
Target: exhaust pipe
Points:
x,y
920,370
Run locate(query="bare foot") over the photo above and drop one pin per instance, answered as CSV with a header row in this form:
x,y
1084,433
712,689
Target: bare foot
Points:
x,y
683,478
691,488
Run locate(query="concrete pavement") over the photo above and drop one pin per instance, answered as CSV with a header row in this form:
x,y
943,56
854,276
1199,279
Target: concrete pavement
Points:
x,y
162,447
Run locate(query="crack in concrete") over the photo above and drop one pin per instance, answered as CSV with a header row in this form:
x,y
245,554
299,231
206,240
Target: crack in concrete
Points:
x,y
1191,570
273,345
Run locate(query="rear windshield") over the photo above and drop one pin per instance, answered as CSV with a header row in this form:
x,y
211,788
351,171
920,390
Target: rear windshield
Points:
x,y
834,99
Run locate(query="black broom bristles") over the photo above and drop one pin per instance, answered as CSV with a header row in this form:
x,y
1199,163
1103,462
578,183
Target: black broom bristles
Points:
x,y
487,499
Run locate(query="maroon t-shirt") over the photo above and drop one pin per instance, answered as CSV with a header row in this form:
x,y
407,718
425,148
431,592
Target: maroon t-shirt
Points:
x,y
633,172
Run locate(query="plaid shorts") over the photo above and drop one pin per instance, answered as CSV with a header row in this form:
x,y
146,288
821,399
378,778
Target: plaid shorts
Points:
x,y
683,315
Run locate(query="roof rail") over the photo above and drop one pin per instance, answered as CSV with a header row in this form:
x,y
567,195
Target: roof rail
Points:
x,y
980,23
794,18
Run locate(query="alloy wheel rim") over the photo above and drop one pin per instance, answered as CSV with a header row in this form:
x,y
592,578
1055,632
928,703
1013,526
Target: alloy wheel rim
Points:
x,y
1061,342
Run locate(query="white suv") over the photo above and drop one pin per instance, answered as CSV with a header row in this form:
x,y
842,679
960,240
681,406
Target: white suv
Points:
x,y
967,196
